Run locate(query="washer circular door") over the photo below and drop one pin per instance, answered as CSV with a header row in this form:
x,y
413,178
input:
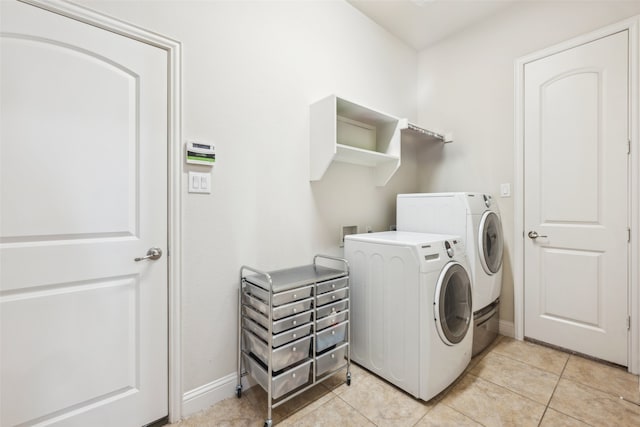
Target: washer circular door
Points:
x,y
452,303
490,242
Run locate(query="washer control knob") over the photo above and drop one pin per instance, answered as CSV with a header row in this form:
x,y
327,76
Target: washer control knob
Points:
x,y
449,249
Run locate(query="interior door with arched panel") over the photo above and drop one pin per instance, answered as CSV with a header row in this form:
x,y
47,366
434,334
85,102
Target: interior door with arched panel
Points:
x,y
83,194
576,198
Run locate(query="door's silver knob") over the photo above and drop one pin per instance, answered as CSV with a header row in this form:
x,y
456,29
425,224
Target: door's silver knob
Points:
x,y
153,253
534,235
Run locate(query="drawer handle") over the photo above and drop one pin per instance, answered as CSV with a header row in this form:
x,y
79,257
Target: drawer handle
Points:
x,y
333,297
333,310
333,286
295,322
333,356
294,336
333,332
295,310
295,296
293,349
293,375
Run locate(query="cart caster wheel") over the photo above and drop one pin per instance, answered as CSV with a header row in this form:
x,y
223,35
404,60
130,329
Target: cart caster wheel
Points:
x,y
238,391
267,423
349,379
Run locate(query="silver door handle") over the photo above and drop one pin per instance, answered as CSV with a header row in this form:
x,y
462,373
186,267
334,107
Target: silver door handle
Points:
x,y
153,253
534,235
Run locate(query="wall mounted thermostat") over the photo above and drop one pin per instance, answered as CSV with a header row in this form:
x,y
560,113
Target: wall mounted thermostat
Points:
x,y
199,153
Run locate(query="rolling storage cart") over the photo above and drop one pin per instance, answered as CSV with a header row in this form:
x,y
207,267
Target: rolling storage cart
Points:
x,y
293,328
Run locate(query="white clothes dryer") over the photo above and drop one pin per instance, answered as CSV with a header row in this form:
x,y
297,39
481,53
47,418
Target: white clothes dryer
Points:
x,y
411,308
475,217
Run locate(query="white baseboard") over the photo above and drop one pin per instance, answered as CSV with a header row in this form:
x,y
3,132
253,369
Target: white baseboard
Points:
x,y
207,395
507,328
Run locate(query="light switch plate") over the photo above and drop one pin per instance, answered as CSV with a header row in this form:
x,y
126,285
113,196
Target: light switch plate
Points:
x,y
199,182
505,190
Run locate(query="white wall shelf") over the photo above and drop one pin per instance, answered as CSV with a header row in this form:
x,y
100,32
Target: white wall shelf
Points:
x,y
343,131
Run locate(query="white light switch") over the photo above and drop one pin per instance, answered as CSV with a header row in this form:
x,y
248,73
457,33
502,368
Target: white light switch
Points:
x,y
199,182
505,190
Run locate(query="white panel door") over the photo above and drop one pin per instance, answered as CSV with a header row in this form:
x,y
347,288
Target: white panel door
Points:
x,y
576,191
83,186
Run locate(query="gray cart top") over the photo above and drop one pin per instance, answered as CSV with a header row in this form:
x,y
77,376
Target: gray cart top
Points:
x,y
290,278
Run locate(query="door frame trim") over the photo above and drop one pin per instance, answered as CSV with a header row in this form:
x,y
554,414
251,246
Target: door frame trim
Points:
x,y
632,25
174,178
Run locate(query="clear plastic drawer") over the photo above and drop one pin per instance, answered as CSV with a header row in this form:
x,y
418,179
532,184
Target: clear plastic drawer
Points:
x,y
282,383
332,285
333,308
281,297
281,357
278,339
280,311
332,296
278,325
331,360
331,336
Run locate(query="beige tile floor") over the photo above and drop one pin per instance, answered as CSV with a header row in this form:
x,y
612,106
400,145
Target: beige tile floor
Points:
x,y
512,383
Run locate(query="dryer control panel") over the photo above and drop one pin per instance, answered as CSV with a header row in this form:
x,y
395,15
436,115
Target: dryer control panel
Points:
x,y
439,251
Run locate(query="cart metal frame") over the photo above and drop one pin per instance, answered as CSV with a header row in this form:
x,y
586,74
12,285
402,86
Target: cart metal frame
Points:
x,y
290,395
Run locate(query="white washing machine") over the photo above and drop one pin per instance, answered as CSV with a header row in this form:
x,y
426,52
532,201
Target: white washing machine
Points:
x,y
476,217
411,308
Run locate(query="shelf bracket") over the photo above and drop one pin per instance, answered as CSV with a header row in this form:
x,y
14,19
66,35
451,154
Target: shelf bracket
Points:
x,y
421,132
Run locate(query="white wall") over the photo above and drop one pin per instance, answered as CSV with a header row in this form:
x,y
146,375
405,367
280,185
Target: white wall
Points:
x,y
250,71
466,85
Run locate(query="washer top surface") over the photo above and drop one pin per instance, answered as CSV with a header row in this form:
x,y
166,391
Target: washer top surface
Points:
x,y
401,238
450,194
420,195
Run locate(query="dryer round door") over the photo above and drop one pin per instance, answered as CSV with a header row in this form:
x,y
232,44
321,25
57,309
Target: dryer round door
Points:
x,y
490,242
452,303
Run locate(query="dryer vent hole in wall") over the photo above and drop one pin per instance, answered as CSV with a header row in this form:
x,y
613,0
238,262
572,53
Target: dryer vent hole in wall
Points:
x,y
345,230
